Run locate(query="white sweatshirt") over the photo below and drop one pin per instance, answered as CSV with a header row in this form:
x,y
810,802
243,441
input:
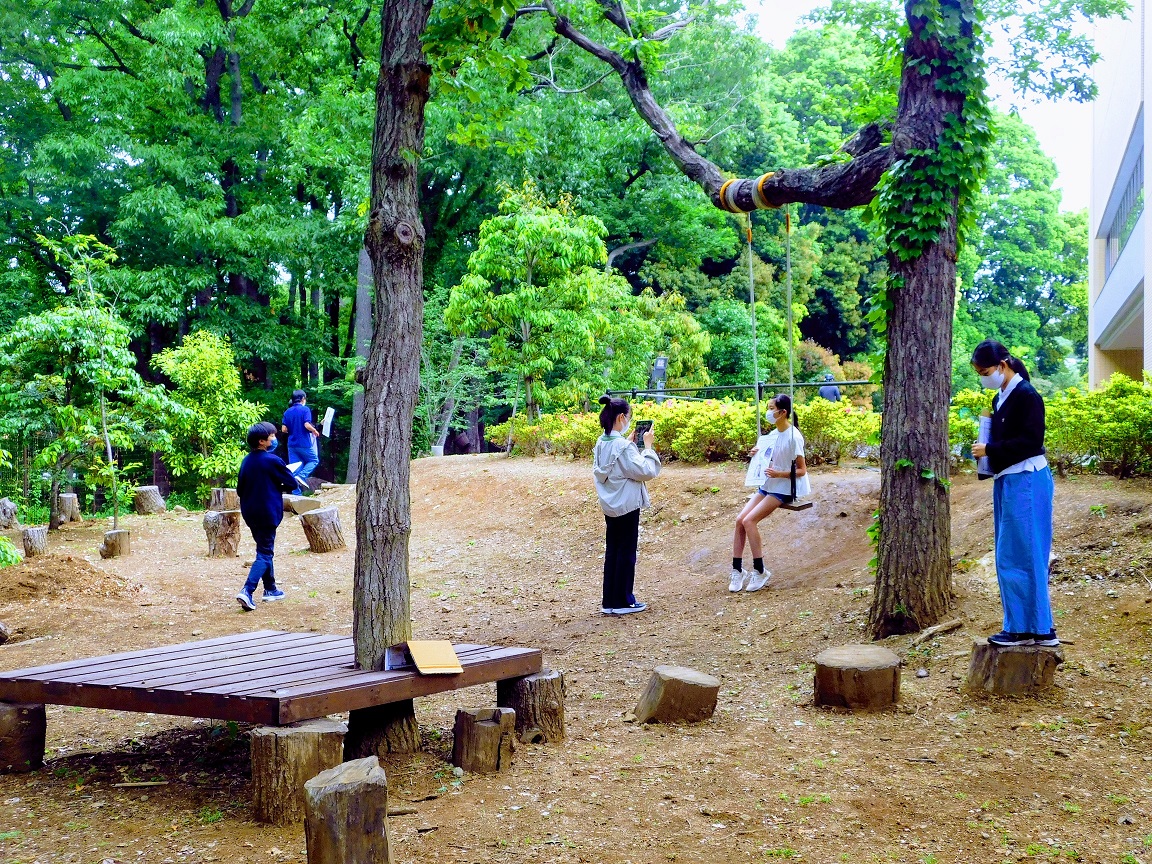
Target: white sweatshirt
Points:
x,y
620,471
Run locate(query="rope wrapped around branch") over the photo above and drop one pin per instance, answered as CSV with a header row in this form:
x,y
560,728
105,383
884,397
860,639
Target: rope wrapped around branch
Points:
x,y
736,195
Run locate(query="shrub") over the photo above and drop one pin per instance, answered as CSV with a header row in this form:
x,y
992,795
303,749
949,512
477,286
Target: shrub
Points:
x,y
8,553
1109,429
832,429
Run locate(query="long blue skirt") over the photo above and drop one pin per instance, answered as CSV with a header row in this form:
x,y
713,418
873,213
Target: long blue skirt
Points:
x,y
1022,514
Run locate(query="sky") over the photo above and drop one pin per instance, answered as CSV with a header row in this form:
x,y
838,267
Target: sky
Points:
x,y
1063,128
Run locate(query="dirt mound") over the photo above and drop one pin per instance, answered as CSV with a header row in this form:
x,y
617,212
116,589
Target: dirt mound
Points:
x,y
49,575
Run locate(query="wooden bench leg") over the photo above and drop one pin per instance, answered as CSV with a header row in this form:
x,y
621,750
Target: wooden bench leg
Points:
x,y
22,730
538,701
346,817
381,730
284,758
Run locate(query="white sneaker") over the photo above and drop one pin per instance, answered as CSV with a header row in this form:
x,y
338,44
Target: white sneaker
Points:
x,y
758,580
736,582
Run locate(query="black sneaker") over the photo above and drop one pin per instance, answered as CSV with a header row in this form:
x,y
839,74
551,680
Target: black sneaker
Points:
x,y
1006,639
630,609
1048,640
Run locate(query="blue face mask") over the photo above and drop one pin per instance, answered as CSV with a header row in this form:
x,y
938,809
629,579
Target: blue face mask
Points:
x,y
272,442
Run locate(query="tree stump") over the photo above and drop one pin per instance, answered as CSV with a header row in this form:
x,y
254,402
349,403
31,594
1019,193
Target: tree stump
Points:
x,y
322,528
284,758
223,531
1012,670
538,701
7,513
69,505
857,676
382,729
483,739
223,499
346,814
22,730
5,632
676,693
147,500
35,540
116,544
301,504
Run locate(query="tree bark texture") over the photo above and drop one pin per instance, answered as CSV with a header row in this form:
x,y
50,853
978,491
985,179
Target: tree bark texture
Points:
x,y
538,701
116,544
7,513
22,734
395,241
284,758
483,739
363,337
346,819
147,500
35,540
914,571
856,676
322,528
223,499
223,531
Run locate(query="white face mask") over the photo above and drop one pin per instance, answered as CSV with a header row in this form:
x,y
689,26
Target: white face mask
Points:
x,y
992,382
627,426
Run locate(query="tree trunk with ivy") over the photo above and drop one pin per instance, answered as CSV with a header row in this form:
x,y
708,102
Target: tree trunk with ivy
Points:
x,y
391,377
914,572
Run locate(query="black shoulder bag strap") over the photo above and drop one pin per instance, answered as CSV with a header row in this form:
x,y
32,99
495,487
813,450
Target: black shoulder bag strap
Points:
x,y
792,474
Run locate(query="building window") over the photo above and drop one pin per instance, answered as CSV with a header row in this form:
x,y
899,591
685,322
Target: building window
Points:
x,y
1127,215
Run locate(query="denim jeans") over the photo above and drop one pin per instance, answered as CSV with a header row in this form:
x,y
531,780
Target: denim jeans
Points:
x,y
262,567
308,460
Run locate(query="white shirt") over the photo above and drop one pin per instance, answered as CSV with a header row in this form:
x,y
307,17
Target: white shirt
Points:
x,y
789,446
1032,463
620,470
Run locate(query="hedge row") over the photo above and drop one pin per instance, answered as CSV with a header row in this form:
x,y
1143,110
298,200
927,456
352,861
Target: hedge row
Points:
x,y
1108,429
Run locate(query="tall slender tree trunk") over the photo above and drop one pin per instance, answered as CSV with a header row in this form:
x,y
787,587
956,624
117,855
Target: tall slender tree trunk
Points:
x,y
363,337
395,242
914,571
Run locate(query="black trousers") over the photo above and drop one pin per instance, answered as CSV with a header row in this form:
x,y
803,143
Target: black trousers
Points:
x,y
621,537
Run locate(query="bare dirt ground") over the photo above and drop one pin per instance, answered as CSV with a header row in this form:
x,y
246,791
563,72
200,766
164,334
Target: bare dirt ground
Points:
x,y
508,551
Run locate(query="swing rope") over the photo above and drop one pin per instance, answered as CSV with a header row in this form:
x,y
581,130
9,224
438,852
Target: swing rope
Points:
x,y
755,347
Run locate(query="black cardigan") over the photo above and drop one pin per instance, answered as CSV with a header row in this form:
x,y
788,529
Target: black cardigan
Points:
x,y
1017,427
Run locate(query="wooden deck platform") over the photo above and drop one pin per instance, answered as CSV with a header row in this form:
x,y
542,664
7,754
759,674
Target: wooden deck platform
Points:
x,y
269,677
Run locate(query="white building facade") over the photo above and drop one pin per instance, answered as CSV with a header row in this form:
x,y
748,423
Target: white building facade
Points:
x,y
1120,241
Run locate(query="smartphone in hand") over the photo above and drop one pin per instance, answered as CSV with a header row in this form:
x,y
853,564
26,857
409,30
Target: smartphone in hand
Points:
x,y
642,428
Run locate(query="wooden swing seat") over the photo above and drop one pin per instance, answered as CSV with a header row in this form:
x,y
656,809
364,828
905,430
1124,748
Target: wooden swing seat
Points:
x,y
803,505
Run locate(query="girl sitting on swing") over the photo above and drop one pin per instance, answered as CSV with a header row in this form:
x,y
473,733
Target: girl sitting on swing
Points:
x,y
786,480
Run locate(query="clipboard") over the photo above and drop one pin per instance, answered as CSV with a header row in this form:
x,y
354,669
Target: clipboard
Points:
x,y
427,656
326,424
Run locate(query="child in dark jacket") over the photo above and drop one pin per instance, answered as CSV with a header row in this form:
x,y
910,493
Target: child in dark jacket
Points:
x,y
263,479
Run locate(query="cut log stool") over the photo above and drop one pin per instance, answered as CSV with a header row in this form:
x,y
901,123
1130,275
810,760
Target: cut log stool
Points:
x,y
301,504
35,540
5,633
322,528
223,531
857,676
346,818
483,739
22,730
1012,670
538,701
223,499
69,505
284,758
116,544
677,693
147,500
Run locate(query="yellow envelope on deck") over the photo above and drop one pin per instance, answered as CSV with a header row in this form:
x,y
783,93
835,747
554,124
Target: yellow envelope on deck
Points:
x,y
435,657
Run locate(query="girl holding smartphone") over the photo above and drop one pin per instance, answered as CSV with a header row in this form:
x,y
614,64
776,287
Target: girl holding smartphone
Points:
x,y
620,470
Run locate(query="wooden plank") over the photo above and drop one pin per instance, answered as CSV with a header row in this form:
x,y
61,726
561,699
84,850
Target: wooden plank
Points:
x,y
209,705
189,668
527,661
129,655
255,670
141,665
475,653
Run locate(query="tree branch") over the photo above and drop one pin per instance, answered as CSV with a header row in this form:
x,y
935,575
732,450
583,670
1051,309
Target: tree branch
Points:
x,y
506,30
844,185
627,247
120,65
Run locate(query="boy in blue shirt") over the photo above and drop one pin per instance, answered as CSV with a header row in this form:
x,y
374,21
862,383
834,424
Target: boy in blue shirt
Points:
x,y
302,435
264,478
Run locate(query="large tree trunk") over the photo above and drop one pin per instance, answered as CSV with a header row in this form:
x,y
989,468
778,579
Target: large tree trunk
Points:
x,y
381,609
363,336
